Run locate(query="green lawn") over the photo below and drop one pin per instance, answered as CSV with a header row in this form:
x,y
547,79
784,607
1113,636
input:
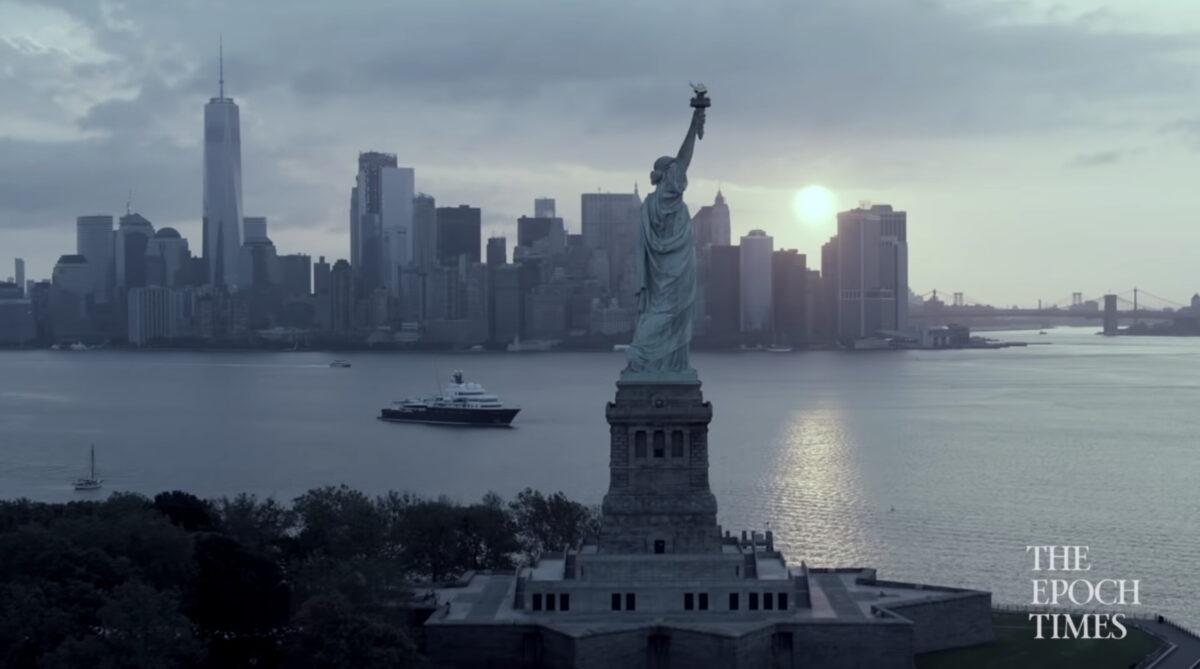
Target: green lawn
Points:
x,y
1016,647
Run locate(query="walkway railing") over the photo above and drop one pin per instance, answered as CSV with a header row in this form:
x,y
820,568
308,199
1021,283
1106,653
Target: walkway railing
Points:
x,y
1149,661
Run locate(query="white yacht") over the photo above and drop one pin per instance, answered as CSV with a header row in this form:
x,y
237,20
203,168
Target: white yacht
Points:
x,y
460,403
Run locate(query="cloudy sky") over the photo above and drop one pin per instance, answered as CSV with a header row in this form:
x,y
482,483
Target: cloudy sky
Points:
x,y
1040,148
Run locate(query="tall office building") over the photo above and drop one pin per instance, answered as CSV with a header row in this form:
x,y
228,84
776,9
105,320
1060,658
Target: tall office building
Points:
x,y
826,326
70,297
321,276
295,273
396,221
169,252
381,221
424,231
133,237
341,297
755,270
543,207
497,251
459,231
94,241
258,264
871,272
507,304
19,275
222,220
723,299
254,228
156,313
497,259
542,235
789,288
710,225
609,222
71,274
18,325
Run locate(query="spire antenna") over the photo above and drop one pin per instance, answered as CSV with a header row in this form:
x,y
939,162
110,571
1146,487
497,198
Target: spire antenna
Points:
x,y
221,60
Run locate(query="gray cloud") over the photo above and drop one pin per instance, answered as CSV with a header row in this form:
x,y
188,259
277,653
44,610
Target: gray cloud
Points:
x,y
1102,158
1187,129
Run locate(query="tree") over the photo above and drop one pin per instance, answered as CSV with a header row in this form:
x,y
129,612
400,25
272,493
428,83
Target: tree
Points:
x,y
551,523
487,535
428,536
339,522
330,634
186,510
236,590
262,527
139,627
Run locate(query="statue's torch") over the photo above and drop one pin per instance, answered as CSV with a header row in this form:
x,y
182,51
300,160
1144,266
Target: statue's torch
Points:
x,y
700,101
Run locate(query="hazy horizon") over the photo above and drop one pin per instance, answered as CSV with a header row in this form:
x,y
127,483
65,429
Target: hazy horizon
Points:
x,y
1040,148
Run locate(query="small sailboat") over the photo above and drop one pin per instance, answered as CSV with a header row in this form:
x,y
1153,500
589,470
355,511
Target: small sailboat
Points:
x,y
90,482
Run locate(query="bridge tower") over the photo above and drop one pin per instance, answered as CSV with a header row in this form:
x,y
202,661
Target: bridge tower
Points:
x,y
1110,315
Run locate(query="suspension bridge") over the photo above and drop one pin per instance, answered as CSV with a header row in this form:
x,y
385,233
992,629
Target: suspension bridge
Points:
x,y
1135,304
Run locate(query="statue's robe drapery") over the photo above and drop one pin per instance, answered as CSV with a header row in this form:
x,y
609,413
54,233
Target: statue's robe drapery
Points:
x,y
666,263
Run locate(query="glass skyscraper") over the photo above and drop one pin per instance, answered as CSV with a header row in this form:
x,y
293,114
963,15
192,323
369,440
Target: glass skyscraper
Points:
x,y
222,188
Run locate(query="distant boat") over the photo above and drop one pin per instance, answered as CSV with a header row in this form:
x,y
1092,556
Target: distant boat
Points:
x,y
620,348
340,363
90,482
531,345
872,344
779,348
1041,332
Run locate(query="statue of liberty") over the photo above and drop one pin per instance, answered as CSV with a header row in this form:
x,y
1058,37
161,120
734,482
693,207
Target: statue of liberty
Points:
x,y
666,266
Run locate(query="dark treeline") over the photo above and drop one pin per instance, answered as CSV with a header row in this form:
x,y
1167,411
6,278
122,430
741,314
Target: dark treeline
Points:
x,y
176,581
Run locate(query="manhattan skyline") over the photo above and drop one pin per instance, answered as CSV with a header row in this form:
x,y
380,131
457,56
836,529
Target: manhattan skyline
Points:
x,y
1043,149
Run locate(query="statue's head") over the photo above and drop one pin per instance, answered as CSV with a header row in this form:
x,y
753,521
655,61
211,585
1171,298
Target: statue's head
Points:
x,y
660,169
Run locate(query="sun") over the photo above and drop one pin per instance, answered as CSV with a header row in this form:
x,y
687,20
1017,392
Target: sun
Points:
x,y
814,205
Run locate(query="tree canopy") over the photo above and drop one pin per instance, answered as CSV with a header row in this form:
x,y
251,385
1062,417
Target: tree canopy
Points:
x,y
178,581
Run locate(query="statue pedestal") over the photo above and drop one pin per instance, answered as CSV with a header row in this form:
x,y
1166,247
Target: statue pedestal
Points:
x,y
658,498
686,377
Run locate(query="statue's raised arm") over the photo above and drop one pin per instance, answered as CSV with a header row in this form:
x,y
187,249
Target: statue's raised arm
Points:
x,y
696,131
